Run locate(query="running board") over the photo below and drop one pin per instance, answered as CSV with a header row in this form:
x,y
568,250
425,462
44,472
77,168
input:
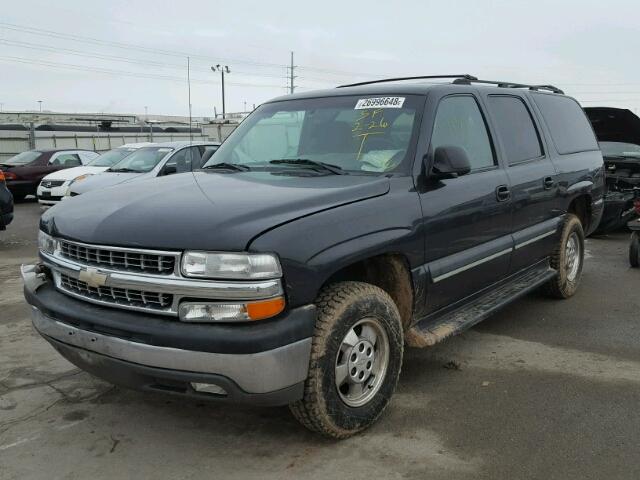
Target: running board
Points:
x,y
437,327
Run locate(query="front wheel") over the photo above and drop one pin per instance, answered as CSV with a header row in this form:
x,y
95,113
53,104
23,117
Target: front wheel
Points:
x,y
355,361
634,250
567,259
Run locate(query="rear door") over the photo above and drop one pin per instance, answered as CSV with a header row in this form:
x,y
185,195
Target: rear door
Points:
x,y
532,178
466,219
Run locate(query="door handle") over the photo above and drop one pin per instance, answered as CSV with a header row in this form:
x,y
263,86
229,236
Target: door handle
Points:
x,y
503,193
548,183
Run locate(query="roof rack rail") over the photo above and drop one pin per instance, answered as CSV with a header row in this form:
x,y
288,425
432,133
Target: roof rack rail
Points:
x,y
464,79
502,84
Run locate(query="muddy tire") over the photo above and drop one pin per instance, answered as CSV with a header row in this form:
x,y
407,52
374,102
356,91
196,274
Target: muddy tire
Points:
x,y
568,259
634,250
355,362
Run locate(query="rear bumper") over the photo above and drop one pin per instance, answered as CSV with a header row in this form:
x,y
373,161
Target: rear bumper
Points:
x,y
264,363
22,187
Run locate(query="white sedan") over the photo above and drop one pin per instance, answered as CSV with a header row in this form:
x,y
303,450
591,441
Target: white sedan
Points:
x,y
54,186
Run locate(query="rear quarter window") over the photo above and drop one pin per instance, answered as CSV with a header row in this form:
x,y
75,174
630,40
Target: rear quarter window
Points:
x,y
570,129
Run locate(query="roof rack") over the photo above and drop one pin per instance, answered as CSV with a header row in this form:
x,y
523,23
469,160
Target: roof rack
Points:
x,y
464,79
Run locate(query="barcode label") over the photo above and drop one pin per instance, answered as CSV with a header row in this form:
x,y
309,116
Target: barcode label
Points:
x,y
379,102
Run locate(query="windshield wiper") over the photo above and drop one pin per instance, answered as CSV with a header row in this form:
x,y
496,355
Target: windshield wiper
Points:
x,y
124,170
227,166
305,162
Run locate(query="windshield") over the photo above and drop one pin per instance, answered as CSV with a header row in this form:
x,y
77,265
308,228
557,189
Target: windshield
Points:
x,y
22,158
620,149
142,160
111,157
356,134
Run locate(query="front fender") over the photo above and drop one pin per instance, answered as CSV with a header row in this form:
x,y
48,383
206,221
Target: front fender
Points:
x,y
313,248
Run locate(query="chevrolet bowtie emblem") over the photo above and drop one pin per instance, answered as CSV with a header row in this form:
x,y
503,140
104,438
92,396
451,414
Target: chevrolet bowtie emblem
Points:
x,y
93,277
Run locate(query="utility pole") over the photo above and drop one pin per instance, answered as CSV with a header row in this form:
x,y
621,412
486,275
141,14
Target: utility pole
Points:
x,y
292,67
189,86
222,69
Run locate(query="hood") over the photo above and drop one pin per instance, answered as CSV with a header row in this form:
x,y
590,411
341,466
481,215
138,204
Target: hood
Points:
x,y
105,179
614,124
71,173
202,211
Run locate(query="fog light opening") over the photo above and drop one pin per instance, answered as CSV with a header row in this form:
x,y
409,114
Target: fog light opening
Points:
x,y
210,388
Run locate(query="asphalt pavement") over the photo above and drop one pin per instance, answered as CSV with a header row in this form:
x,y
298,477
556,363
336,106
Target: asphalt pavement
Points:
x,y
545,389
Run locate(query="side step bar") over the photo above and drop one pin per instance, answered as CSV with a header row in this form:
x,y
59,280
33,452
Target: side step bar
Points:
x,y
440,326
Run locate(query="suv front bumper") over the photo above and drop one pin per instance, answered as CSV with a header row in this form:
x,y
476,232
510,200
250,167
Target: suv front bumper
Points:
x,y
262,363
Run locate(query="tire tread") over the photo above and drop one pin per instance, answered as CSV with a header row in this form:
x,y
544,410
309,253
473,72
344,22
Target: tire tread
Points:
x,y
330,301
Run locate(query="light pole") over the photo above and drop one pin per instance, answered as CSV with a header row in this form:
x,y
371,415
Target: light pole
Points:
x,y
40,104
222,69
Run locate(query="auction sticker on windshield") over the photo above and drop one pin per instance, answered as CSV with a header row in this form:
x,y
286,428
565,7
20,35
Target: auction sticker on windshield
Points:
x,y
379,102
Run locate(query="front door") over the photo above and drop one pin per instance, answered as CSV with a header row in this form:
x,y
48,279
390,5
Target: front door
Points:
x,y
467,220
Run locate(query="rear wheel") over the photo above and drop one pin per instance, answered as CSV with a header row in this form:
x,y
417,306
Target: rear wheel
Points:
x,y
355,361
634,250
567,259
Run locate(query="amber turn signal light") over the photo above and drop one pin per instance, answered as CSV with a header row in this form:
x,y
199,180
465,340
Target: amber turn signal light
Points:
x,y
265,308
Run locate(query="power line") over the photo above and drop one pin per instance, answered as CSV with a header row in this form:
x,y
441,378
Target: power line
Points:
x,y
101,70
129,46
115,58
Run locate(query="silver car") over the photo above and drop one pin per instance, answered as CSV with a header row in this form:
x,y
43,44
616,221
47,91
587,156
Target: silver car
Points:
x,y
156,160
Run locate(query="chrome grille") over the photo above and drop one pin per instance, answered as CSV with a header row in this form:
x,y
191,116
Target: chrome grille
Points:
x,y
117,296
118,259
52,183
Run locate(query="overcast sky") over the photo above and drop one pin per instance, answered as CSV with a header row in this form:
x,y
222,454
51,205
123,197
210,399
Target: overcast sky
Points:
x,y
120,56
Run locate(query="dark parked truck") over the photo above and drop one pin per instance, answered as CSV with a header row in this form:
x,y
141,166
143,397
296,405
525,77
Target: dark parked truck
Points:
x,y
329,230
618,131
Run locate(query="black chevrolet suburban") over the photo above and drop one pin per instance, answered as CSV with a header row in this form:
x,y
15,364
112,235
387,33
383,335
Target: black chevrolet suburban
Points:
x,y
330,230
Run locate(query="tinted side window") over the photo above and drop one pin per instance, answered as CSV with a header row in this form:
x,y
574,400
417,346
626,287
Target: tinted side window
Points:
x,y
515,128
207,152
570,129
459,122
193,158
181,160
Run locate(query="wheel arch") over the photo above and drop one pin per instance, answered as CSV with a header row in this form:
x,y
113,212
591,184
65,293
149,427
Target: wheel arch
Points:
x,y
580,206
389,271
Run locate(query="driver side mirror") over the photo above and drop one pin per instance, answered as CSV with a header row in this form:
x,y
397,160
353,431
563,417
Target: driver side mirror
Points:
x,y
169,169
450,161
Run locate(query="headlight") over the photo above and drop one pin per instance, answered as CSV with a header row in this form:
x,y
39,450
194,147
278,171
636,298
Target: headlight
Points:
x,y
237,266
199,312
46,243
81,177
